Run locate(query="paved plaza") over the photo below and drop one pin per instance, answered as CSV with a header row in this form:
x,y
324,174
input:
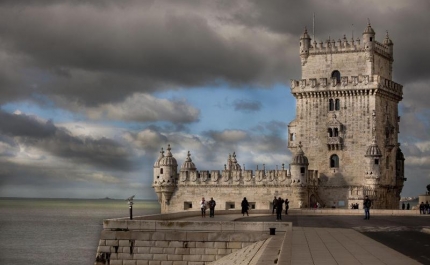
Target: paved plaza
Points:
x,y
349,239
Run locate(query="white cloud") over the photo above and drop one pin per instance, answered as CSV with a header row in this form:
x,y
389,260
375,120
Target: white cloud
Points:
x,y
141,107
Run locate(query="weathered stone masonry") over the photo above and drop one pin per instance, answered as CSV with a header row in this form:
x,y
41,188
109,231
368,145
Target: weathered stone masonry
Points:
x,y
146,242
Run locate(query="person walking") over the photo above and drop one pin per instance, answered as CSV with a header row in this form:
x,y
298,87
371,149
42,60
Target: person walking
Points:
x,y
279,203
245,207
203,207
427,208
212,204
287,206
408,206
422,208
274,204
403,205
366,205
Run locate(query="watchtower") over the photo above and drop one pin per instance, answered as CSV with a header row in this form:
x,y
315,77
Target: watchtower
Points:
x,y
347,119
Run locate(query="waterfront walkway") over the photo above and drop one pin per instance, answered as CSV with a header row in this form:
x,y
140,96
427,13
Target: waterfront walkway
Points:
x,y
337,239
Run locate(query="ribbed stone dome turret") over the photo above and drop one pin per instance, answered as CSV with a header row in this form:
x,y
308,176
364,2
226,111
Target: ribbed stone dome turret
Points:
x,y
234,165
373,149
387,40
168,160
188,164
300,158
157,163
369,29
305,34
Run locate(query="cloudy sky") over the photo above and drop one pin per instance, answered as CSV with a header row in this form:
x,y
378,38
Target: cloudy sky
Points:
x,y
91,90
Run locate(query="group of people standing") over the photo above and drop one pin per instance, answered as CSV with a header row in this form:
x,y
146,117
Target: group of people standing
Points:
x,y
210,204
278,207
424,208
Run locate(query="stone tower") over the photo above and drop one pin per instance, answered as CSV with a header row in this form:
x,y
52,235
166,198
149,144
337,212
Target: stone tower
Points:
x,y
165,177
347,119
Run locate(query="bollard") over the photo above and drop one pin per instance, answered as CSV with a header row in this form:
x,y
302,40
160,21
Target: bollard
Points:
x,y
272,231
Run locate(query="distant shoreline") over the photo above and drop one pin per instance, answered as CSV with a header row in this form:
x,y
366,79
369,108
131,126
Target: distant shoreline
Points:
x,y
95,199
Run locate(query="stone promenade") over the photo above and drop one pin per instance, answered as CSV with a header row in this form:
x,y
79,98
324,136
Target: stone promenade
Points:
x,y
334,239
302,237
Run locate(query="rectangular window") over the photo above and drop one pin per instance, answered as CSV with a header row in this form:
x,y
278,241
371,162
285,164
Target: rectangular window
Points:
x,y
188,205
229,205
376,161
302,170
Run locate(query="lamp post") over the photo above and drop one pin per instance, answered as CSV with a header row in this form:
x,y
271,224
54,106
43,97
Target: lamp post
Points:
x,y
130,206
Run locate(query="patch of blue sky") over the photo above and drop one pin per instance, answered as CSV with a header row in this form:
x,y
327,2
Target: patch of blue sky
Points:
x,y
44,111
218,110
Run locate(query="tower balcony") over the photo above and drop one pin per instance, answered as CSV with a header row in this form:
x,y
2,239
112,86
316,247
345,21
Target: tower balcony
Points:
x,y
334,143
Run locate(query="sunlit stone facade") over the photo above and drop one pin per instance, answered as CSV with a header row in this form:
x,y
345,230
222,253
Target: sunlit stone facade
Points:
x,y
344,139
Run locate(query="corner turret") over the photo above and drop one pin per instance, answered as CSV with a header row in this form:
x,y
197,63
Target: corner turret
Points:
x,y
369,38
389,43
299,167
187,168
165,177
305,45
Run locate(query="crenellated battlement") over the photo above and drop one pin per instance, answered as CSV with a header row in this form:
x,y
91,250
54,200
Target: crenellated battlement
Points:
x,y
383,50
330,45
345,46
235,177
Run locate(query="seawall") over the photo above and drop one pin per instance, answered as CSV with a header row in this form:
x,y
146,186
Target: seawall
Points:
x,y
165,239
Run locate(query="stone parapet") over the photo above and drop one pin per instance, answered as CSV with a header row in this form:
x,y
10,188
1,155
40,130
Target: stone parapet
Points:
x,y
329,211
124,241
346,86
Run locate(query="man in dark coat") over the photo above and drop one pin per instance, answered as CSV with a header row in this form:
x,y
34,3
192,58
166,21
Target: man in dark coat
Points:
x,y
279,208
366,205
274,204
245,206
212,205
287,206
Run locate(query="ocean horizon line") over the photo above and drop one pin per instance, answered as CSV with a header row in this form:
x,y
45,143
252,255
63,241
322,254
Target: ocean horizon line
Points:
x,y
64,198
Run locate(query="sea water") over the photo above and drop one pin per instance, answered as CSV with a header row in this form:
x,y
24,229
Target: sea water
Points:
x,y
58,231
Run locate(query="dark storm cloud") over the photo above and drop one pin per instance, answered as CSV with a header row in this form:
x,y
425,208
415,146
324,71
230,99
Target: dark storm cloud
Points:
x,y
25,126
247,105
29,131
102,53
94,52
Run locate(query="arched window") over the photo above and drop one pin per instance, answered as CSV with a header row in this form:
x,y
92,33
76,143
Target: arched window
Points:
x,y
336,74
336,132
334,161
330,105
337,104
330,132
